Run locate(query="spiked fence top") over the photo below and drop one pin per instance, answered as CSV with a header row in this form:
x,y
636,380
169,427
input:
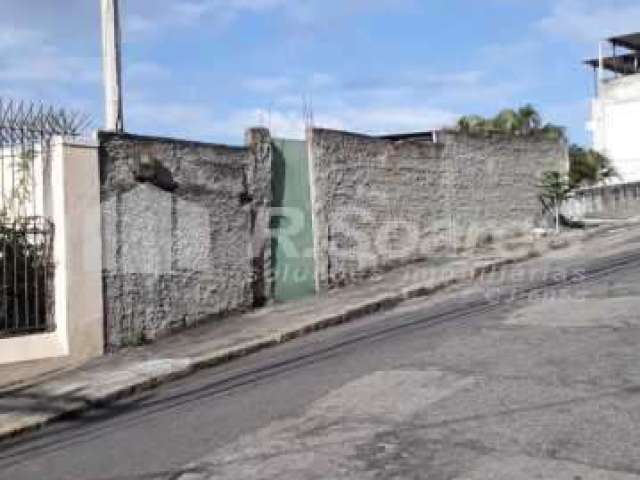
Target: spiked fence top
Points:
x,y
20,120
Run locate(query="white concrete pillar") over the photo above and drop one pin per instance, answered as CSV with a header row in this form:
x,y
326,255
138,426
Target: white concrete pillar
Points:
x,y
77,252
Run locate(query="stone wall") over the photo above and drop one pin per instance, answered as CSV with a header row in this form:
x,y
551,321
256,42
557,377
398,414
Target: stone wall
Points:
x,y
606,202
184,232
496,180
381,202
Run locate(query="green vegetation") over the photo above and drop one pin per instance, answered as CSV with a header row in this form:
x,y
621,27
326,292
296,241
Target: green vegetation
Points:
x,y
16,200
588,167
25,248
554,190
524,121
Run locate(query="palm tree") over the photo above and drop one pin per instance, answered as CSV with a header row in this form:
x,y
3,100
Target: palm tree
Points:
x,y
530,118
507,121
473,124
524,121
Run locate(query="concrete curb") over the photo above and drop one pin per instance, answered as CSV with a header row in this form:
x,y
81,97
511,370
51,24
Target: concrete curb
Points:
x,y
98,395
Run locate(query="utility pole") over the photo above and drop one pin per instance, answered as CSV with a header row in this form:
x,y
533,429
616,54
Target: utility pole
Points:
x,y
112,65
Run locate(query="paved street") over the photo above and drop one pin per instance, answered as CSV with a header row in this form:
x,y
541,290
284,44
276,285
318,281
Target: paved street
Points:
x,y
531,373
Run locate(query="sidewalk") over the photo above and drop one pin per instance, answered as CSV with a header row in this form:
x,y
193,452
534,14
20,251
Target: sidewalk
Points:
x,y
65,389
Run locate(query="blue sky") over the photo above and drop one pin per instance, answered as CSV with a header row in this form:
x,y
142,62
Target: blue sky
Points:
x,y
207,69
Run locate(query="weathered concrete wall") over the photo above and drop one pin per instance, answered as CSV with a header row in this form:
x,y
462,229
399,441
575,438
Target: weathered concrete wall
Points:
x,y
379,202
364,191
496,180
183,232
608,202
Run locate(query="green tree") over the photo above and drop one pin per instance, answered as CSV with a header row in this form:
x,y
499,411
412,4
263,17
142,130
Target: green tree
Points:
x,y
588,167
472,123
554,190
507,121
530,119
554,132
524,121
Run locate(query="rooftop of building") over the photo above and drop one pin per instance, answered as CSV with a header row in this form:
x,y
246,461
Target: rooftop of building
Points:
x,y
626,62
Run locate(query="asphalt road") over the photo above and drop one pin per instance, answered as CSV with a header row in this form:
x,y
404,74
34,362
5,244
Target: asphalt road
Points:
x,y
529,373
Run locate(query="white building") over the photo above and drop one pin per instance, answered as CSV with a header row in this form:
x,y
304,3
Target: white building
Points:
x,y
615,121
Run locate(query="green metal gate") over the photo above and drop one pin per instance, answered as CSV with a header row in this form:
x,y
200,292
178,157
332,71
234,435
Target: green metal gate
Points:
x,y
291,224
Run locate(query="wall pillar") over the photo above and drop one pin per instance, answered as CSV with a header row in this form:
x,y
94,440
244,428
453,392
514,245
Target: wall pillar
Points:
x,y
75,211
318,180
259,183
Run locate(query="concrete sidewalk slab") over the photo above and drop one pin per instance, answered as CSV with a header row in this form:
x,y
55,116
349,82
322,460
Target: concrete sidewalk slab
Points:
x,y
64,392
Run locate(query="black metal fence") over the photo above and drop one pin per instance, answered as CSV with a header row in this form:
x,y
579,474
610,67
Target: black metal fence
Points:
x,y
26,230
26,276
